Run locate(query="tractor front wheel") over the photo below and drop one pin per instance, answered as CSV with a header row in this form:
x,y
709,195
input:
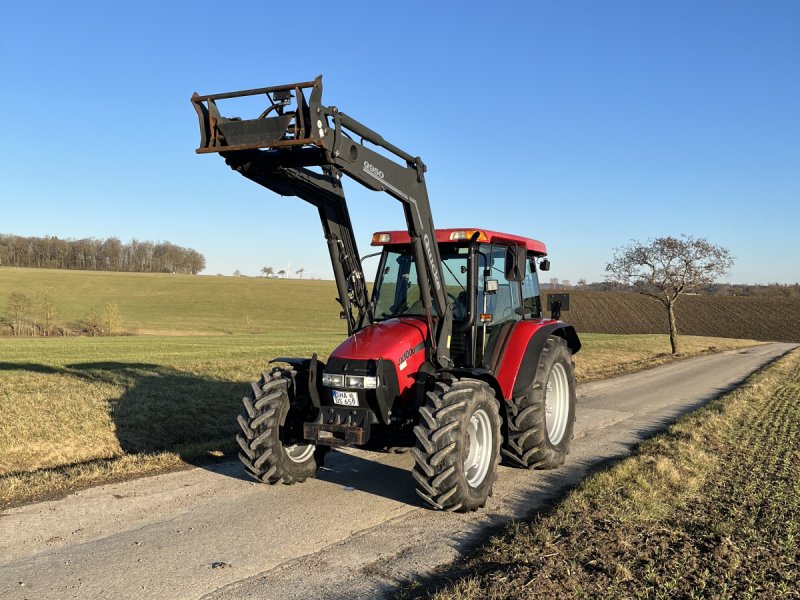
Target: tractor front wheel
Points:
x,y
271,442
458,445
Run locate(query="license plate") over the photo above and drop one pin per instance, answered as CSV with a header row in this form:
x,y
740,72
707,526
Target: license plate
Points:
x,y
345,398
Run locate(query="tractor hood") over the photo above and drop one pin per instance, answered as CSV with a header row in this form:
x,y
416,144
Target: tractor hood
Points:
x,y
396,339
400,341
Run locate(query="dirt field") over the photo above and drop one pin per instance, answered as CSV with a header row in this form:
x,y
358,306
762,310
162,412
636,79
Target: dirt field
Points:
x,y
759,318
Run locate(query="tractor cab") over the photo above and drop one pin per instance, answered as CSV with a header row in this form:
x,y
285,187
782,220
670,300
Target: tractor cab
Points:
x,y
490,278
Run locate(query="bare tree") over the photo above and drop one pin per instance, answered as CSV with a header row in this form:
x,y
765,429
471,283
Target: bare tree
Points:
x,y
19,307
268,272
45,299
666,268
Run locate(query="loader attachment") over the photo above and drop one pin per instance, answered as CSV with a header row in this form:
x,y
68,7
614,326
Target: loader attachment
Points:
x,y
285,147
286,121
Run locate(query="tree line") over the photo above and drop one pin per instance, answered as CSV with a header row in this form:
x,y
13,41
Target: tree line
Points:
x,y
91,254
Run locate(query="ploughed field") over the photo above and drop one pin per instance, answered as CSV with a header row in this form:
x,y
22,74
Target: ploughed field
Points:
x,y
752,317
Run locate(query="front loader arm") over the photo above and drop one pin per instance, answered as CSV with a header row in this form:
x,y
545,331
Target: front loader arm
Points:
x,y
278,150
324,191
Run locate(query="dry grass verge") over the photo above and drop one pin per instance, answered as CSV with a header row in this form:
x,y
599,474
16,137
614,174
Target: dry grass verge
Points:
x,y
710,508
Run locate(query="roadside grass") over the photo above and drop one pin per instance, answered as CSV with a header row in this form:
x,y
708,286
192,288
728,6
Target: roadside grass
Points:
x,y
709,508
80,411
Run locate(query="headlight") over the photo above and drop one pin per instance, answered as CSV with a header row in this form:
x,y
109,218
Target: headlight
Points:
x,y
361,383
331,380
357,382
354,381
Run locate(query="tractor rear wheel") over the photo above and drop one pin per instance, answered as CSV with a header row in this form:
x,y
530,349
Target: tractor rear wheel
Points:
x,y
458,445
271,442
541,422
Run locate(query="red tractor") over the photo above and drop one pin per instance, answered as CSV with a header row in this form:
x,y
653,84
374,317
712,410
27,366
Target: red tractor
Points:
x,y
450,356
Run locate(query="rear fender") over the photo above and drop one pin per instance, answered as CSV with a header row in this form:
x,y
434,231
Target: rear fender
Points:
x,y
521,355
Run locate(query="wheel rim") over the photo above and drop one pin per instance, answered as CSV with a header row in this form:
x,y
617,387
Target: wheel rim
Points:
x,y
479,448
299,453
556,403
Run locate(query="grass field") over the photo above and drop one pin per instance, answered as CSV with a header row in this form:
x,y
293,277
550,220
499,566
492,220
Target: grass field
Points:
x,y
79,411
182,304
710,508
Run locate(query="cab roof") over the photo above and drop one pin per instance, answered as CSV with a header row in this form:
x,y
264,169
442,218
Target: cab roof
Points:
x,y
444,236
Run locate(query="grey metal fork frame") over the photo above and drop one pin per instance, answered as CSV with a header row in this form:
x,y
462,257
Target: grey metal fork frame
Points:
x,y
279,152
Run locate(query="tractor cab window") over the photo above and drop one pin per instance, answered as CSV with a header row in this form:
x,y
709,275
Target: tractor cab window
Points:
x,y
397,287
531,301
504,303
502,307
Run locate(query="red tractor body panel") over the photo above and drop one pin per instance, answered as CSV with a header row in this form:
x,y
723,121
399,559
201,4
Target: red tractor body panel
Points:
x,y
514,352
400,340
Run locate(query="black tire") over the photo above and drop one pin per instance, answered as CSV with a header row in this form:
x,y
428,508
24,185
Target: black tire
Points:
x,y
271,442
443,445
528,444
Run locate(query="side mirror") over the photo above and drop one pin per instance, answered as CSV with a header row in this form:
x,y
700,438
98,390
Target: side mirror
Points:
x,y
544,264
515,263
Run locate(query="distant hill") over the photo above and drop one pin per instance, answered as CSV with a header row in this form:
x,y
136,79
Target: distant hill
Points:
x,y
746,317
181,304
152,303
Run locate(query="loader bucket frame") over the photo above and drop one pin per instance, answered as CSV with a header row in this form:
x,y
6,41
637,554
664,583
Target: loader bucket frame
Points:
x,y
287,121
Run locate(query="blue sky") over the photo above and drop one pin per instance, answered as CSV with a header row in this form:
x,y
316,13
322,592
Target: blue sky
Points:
x,y
583,124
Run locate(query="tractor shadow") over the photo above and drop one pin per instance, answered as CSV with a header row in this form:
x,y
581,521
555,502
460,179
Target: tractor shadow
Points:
x,y
166,410
369,472
161,409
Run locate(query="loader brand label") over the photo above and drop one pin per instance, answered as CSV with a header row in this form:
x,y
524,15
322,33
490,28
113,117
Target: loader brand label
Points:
x,y
426,241
373,170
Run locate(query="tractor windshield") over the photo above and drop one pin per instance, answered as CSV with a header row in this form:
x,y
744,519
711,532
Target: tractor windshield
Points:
x,y
397,289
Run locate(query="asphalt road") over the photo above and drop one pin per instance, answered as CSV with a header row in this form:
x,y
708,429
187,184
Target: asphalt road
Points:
x,y
356,531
